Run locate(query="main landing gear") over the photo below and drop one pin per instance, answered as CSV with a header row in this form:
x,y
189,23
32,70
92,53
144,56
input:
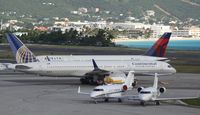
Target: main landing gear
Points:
x,y
92,80
157,103
142,103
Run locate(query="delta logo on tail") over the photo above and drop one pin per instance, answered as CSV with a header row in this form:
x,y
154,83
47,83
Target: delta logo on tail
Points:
x,y
21,52
159,48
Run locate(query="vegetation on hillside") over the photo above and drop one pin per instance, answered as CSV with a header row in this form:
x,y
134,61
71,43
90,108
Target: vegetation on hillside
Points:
x,y
136,8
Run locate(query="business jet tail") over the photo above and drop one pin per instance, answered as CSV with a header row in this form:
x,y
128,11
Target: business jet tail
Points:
x,y
155,84
129,79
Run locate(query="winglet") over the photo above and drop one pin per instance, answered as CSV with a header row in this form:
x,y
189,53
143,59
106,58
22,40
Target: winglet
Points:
x,y
155,84
159,48
79,89
95,65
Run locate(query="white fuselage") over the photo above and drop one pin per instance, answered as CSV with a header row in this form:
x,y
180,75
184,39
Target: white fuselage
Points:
x,y
80,68
2,67
107,91
148,94
101,58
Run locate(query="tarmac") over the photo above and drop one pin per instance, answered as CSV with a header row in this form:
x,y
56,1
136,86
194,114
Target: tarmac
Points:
x,y
24,94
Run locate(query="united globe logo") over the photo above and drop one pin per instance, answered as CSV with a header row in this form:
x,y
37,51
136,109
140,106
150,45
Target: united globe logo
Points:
x,y
24,55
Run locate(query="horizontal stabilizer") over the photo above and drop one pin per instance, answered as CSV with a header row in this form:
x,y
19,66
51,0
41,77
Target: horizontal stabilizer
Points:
x,y
79,91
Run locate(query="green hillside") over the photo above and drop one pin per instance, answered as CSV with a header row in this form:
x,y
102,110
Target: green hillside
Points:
x,y
62,8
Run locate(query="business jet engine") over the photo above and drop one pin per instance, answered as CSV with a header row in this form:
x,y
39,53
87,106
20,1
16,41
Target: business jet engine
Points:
x,y
162,90
139,89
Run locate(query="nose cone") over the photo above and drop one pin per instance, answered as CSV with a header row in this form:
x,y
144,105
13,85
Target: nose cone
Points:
x,y
145,97
93,94
172,70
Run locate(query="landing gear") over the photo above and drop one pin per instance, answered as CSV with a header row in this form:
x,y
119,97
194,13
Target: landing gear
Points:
x,y
119,100
157,103
95,101
92,80
106,100
142,103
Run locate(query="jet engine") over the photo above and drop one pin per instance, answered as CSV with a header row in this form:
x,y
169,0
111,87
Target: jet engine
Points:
x,y
125,87
162,89
139,89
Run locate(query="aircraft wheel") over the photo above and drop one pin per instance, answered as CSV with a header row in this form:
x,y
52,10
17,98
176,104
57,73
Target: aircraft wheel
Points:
x,y
120,100
157,103
83,81
99,82
106,100
142,103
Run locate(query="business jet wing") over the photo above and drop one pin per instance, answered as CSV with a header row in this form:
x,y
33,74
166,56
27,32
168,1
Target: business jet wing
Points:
x,y
176,98
131,97
79,91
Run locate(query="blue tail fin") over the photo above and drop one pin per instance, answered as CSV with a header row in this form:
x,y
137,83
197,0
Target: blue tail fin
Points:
x,y
159,48
20,51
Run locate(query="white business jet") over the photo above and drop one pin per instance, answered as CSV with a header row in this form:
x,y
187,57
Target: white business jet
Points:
x,y
2,67
109,91
152,94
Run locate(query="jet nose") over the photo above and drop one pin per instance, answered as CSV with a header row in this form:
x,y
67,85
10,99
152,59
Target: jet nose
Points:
x,y
173,70
93,95
144,97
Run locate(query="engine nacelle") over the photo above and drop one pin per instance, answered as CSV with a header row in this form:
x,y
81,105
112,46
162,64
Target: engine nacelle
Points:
x,y
162,90
125,88
139,89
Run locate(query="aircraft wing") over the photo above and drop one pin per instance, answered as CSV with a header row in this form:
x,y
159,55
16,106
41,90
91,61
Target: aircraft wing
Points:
x,y
176,98
131,97
79,91
147,73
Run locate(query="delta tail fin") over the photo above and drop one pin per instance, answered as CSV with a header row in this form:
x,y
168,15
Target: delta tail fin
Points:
x,y
155,84
20,51
159,48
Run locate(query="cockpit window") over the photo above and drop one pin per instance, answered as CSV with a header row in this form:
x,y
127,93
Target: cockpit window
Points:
x,y
145,92
98,90
169,66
